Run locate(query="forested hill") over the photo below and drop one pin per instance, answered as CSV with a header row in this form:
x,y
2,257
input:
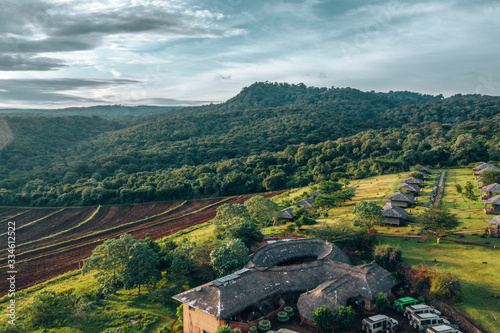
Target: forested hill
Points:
x,y
203,151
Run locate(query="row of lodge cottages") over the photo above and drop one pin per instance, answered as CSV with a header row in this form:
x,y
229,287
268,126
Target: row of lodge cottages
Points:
x,y
491,197
393,211
307,272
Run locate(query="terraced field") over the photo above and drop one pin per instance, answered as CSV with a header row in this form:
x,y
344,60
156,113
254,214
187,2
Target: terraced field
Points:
x,y
52,241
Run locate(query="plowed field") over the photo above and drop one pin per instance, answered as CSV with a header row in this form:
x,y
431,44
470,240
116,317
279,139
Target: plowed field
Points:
x,y
52,241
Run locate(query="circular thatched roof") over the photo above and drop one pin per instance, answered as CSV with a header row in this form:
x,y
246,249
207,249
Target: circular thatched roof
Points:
x,y
281,251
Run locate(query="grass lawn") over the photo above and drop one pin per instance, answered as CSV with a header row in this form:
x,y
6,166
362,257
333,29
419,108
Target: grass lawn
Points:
x,y
454,201
476,267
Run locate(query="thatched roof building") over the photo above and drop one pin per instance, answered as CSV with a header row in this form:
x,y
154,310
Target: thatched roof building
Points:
x,y
287,213
307,202
413,180
494,200
278,252
394,214
410,188
495,187
486,167
227,297
394,211
400,199
495,221
360,282
426,170
482,166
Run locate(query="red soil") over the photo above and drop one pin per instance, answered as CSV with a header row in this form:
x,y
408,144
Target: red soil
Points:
x,y
63,252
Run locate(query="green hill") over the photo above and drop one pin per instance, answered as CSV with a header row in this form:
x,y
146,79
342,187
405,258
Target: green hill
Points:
x,y
270,136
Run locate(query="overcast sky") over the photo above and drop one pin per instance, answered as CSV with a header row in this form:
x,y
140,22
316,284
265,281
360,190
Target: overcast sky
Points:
x,y
58,53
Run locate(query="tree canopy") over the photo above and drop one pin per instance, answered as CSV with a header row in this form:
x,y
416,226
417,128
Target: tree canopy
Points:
x,y
367,214
437,221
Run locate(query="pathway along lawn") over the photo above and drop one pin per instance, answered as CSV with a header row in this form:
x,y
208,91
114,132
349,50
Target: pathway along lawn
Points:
x,y
439,189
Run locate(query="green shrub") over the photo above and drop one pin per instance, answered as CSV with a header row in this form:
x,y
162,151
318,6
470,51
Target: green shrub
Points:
x,y
289,310
382,302
323,317
253,329
283,316
345,316
264,325
223,329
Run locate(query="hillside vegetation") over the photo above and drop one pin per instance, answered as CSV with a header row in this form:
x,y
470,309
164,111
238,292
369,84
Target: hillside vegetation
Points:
x,y
268,137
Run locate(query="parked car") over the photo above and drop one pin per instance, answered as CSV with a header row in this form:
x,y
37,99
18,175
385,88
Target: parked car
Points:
x,y
379,323
401,303
419,308
442,329
423,321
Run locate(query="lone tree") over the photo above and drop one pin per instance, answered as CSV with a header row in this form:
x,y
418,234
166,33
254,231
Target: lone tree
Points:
x,y
123,261
469,192
437,221
367,214
323,317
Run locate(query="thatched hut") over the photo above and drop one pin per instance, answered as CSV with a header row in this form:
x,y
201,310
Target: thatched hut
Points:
x,y
286,214
495,203
413,189
400,199
307,202
394,215
486,167
413,181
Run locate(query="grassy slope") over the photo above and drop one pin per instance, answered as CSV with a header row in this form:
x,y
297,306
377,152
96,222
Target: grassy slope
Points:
x,y
479,280
112,312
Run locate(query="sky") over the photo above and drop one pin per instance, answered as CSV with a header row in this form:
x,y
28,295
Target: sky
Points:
x,y
64,53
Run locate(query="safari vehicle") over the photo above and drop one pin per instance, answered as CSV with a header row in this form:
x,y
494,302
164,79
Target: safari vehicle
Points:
x,y
418,309
379,323
442,329
422,321
401,303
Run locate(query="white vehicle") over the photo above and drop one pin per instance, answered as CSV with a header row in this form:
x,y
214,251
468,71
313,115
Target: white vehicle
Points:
x,y
419,308
442,329
379,323
423,321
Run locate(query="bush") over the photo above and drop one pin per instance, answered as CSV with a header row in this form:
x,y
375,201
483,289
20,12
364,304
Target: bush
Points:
x,y
283,316
236,330
444,285
345,316
387,256
323,317
289,310
382,302
264,325
253,329
223,329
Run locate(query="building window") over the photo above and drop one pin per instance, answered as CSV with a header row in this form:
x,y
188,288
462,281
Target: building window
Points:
x,y
191,308
205,331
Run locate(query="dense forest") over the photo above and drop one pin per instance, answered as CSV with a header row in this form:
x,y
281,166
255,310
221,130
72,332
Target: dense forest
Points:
x,y
269,137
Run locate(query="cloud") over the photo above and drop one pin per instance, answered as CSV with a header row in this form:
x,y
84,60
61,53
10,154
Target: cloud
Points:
x,y
28,63
55,90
